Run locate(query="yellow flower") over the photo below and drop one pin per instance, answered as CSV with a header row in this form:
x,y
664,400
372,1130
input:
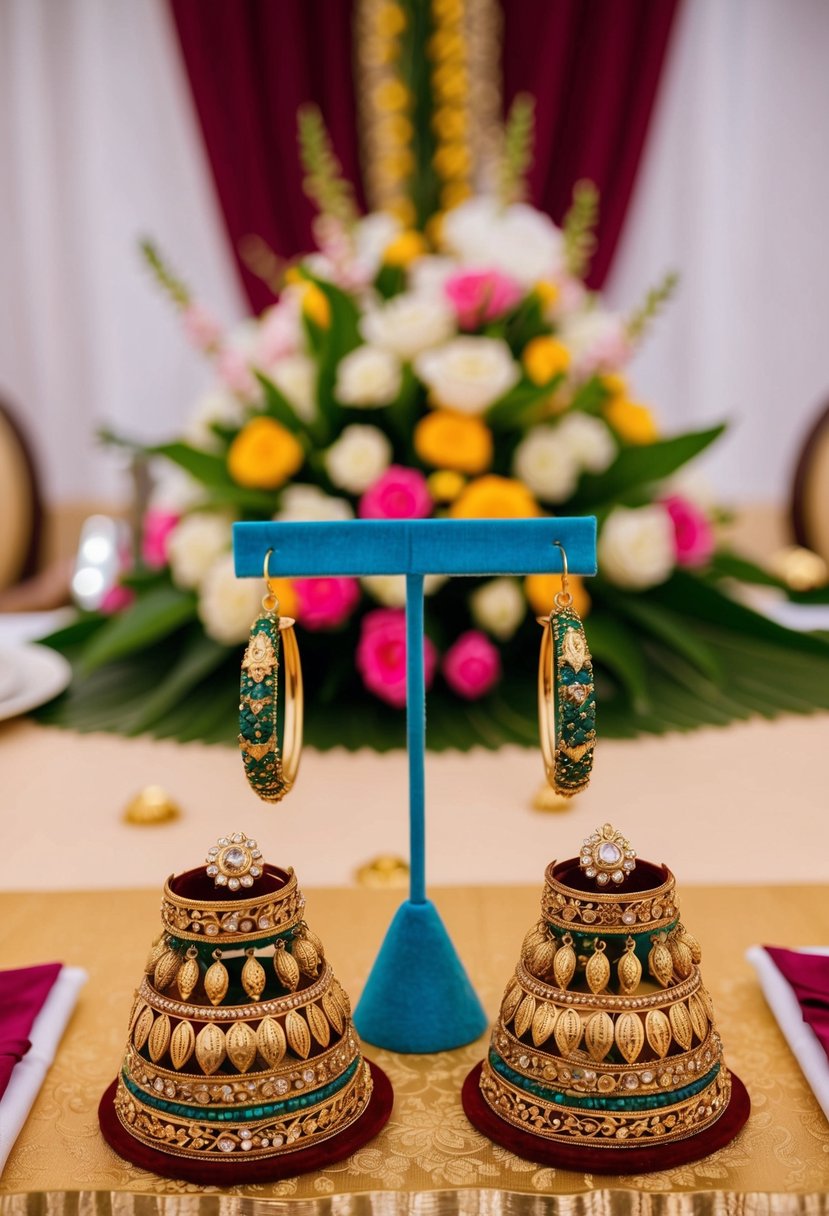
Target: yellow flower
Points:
x,y
616,385
544,358
453,194
391,95
390,20
445,485
315,306
450,82
283,589
540,590
446,44
450,122
454,441
452,160
404,209
547,292
434,229
293,275
396,128
494,497
632,422
405,248
264,455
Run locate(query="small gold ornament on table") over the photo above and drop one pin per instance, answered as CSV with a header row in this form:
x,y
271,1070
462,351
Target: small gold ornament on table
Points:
x,y
150,806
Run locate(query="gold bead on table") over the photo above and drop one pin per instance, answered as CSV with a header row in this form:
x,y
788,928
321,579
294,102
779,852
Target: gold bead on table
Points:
x,y
150,806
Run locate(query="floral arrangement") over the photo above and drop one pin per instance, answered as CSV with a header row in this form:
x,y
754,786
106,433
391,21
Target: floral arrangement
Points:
x,y
461,370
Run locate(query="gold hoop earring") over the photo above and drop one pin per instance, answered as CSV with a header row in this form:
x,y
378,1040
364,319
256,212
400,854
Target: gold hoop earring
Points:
x,y
271,771
566,696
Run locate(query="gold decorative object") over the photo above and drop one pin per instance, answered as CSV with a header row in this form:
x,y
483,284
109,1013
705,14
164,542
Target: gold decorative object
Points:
x,y
800,569
384,871
616,1047
546,799
241,1042
151,805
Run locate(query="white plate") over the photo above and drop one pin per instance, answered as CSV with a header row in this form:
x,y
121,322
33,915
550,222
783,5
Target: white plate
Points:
x,y
40,673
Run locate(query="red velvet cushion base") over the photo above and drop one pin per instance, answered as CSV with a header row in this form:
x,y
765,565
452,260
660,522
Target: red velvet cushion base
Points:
x,y
240,1169
656,1156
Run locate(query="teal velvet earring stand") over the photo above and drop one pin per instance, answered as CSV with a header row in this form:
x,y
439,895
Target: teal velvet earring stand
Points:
x,y
418,997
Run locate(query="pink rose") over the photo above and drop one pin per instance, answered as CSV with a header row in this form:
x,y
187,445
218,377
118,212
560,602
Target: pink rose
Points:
x,y
381,655
324,603
693,534
201,329
399,493
472,665
478,296
156,529
116,599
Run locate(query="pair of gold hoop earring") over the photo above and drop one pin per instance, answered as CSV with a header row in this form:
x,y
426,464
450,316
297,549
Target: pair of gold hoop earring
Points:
x,y
566,697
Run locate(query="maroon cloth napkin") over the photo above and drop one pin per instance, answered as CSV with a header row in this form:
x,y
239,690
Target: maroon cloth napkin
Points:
x,y
22,995
808,977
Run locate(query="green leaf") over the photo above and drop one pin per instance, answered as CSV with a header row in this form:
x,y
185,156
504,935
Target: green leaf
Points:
x,y
669,627
278,406
207,467
640,465
151,617
198,657
523,405
618,648
725,564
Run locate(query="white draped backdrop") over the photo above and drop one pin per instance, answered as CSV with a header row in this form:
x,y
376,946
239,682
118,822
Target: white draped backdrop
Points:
x,y
99,145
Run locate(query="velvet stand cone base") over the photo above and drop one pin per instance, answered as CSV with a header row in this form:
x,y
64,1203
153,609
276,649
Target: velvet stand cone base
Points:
x,y
241,1171
584,1159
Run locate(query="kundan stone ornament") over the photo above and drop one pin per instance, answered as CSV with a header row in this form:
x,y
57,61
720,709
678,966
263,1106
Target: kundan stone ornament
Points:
x,y
605,1056
242,1062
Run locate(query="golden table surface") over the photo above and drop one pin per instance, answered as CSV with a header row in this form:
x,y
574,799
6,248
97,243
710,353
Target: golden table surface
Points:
x,y
429,1159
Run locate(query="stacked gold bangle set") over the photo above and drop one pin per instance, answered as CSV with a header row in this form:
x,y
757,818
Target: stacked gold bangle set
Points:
x,y
606,1034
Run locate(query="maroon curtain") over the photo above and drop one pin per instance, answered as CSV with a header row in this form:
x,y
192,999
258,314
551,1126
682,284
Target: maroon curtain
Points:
x,y
593,67
251,64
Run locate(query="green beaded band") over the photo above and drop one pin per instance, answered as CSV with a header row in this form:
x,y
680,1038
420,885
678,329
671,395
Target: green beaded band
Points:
x,y
575,703
257,709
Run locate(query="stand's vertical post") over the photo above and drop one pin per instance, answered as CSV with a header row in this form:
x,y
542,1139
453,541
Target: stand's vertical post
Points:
x,y
416,737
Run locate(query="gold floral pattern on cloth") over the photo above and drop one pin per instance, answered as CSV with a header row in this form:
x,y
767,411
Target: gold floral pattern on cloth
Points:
x,y
428,1144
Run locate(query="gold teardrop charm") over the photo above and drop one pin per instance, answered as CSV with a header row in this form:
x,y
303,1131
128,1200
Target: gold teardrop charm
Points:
x,y
306,956
598,1035
298,1034
680,1021
181,1044
342,996
692,944
543,1023
253,977
597,971
318,1023
333,1011
216,980
241,1046
166,970
568,1031
315,941
540,961
511,1001
630,1036
157,949
660,963
524,1015
629,969
680,956
574,649
535,937
707,1004
658,1030
699,1018
210,1048
287,968
564,963
189,973
143,1026
270,1041
159,1039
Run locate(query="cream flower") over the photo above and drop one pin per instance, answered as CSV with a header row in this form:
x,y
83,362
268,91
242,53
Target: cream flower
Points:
x,y
358,457
173,489
227,604
296,378
428,275
499,607
597,341
369,376
390,589
636,547
306,503
545,464
468,374
215,406
194,545
408,324
518,240
588,441
372,236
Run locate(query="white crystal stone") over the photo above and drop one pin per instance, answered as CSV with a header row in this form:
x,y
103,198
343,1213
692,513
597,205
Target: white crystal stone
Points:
x,y
282,1087
233,883
212,930
246,880
617,876
223,840
299,1083
234,859
609,853
631,1081
590,872
246,1144
627,865
264,922
255,871
226,1145
628,918
212,871
277,1140
647,1077
212,852
158,1085
602,878
251,844
221,880
238,837
308,1075
257,853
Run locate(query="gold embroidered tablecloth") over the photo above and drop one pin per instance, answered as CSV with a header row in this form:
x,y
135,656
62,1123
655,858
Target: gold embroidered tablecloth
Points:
x,y
429,1158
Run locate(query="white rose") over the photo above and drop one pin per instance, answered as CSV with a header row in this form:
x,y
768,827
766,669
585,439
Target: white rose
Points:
x,y
305,503
597,341
517,240
546,465
408,324
468,374
368,376
390,589
173,489
227,604
499,607
372,236
428,275
588,441
358,457
636,547
194,544
216,406
296,378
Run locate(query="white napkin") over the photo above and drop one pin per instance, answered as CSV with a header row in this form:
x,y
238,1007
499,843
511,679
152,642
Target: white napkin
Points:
x,y
29,1073
804,1043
